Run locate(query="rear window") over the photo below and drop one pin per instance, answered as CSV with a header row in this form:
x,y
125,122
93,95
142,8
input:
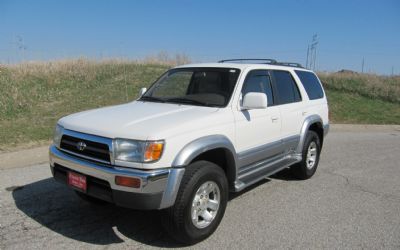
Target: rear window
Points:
x,y
311,84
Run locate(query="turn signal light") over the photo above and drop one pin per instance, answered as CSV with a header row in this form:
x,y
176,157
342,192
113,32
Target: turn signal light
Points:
x,y
153,151
127,181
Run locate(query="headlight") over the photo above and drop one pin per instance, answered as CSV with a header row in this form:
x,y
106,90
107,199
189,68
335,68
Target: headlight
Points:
x,y
58,132
137,151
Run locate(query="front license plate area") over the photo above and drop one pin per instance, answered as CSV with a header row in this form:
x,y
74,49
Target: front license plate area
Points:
x,y
77,181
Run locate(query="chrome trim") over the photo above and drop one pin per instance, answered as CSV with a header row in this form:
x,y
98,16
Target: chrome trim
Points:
x,y
264,169
303,132
151,181
172,188
267,151
94,138
259,153
290,143
165,180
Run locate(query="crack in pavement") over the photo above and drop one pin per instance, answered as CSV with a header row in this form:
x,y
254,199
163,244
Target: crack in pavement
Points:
x,y
358,187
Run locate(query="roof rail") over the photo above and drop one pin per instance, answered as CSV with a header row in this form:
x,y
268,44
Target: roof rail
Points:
x,y
291,64
267,61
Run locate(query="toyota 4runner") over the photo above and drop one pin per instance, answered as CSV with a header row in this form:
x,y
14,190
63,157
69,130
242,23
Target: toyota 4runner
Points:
x,y
199,132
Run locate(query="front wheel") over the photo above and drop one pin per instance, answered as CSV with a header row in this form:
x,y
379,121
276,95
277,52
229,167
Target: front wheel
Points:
x,y
200,203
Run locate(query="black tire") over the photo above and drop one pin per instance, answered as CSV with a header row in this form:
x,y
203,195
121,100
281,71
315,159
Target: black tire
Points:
x,y
90,199
301,170
177,219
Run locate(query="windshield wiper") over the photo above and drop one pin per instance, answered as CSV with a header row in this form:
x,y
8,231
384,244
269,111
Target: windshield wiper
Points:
x,y
151,98
188,101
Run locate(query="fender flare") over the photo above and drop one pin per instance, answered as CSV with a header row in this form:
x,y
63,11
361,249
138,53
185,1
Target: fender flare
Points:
x,y
304,129
203,144
189,152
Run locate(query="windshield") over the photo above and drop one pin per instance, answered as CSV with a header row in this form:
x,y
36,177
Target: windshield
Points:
x,y
211,87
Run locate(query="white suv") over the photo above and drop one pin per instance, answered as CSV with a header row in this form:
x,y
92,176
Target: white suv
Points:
x,y
199,132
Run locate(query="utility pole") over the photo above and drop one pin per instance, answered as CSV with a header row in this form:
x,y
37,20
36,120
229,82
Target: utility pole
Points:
x,y
312,53
20,46
362,66
392,71
308,53
315,55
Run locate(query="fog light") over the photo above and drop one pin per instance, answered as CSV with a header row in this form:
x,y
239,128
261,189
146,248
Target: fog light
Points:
x,y
127,181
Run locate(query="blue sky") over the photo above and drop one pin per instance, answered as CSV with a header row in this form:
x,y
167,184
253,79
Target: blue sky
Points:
x,y
206,30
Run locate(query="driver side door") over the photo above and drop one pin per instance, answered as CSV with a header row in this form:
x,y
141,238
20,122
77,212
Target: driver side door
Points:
x,y
257,130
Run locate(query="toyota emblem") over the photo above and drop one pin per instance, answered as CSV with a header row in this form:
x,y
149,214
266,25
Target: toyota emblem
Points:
x,y
81,146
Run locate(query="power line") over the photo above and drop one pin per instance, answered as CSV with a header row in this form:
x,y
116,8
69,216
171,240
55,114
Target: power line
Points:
x,y
362,65
312,53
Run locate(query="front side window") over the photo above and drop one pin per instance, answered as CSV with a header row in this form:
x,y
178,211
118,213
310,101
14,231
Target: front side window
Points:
x,y
258,81
286,86
194,86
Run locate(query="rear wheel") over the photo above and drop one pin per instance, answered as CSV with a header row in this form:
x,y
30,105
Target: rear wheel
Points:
x,y
200,203
310,157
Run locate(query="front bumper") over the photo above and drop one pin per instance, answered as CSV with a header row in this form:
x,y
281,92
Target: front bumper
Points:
x,y
158,188
326,129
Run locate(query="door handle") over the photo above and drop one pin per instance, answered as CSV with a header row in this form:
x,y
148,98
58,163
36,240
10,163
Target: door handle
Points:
x,y
274,118
304,113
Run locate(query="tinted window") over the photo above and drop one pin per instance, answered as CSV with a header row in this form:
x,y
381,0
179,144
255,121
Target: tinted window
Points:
x,y
311,84
258,81
174,85
286,86
194,86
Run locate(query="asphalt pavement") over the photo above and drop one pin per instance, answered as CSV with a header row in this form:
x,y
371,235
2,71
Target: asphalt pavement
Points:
x,y
353,201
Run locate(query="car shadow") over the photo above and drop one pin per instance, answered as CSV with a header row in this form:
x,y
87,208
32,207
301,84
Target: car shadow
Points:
x,y
56,207
284,175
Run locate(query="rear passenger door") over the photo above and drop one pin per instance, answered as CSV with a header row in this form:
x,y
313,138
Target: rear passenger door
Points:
x,y
292,108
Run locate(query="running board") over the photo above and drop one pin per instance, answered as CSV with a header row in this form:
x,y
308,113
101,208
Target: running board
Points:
x,y
261,170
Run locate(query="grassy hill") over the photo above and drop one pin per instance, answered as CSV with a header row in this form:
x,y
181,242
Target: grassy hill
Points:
x,y
362,98
34,96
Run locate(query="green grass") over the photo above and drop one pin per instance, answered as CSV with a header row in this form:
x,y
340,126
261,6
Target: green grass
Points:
x,y
372,86
353,108
34,96
362,98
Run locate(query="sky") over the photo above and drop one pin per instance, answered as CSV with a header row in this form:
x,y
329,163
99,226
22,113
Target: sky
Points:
x,y
348,32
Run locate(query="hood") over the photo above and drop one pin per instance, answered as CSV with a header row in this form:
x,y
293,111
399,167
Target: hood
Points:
x,y
136,120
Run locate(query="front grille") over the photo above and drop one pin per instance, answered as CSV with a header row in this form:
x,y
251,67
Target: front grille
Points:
x,y
94,150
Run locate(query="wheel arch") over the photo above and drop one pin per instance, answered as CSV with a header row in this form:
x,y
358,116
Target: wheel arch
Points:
x,y
214,148
313,123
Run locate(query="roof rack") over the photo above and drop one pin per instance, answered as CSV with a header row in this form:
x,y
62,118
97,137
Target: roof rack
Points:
x,y
291,64
265,61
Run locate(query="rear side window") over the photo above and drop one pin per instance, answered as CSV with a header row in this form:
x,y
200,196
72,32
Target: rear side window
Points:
x,y
286,86
258,81
311,84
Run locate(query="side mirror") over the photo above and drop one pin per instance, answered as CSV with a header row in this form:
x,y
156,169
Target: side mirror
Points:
x,y
255,100
142,91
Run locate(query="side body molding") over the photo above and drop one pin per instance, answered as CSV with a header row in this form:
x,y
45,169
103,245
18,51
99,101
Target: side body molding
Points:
x,y
201,145
306,125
